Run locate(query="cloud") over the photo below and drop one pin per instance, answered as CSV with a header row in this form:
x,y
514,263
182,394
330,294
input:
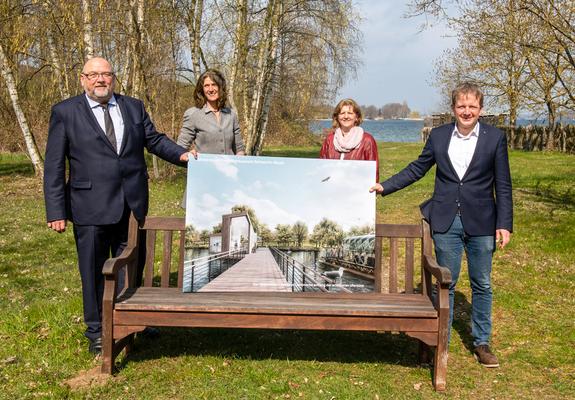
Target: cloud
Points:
x,y
209,201
301,196
227,168
398,57
266,210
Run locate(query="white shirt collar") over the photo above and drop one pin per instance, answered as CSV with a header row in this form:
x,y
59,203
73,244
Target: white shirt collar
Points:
x,y
474,132
94,103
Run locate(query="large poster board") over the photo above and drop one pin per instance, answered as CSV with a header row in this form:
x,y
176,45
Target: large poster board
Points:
x,y
279,224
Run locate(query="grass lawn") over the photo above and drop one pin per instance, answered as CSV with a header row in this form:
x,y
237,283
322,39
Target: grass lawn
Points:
x,y
41,328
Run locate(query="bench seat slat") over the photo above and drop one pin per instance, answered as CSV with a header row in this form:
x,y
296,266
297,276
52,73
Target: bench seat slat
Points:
x,y
274,321
172,299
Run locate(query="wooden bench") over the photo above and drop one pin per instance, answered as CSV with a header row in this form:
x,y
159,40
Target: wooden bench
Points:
x,y
410,311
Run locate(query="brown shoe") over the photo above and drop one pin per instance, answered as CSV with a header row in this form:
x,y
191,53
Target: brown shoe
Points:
x,y
485,357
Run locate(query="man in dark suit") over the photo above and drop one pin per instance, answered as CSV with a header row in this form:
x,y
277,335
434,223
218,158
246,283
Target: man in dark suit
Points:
x,y
102,136
471,208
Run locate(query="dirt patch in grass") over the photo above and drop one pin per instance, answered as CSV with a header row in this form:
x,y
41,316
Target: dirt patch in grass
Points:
x,y
88,379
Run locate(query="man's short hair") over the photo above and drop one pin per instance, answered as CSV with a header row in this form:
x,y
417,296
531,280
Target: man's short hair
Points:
x,y
466,88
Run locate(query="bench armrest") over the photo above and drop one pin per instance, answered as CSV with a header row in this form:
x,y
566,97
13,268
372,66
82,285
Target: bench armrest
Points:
x,y
442,274
113,265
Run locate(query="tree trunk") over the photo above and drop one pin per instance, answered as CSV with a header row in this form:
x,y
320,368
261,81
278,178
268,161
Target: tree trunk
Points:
x,y
264,118
266,66
193,20
140,87
88,36
57,67
196,49
240,52
551,126
31,146
127,69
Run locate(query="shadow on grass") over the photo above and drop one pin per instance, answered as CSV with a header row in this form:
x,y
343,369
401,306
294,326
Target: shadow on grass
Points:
x,y
551,194
16,167
462,320
259,344
266,344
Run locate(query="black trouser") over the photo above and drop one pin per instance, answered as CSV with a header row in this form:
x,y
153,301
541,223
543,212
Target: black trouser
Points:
x,y
95,244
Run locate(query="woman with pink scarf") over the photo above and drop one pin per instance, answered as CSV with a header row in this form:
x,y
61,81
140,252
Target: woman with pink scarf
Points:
x,y
348,141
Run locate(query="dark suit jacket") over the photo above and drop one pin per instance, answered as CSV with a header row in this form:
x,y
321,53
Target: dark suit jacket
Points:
x,y
484,193
100,181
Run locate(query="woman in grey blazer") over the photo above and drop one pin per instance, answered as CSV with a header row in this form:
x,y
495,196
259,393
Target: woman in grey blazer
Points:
x,y
211,127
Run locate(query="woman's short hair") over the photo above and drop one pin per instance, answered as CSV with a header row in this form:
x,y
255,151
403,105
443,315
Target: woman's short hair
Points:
x,y
466,88
340,105
216,76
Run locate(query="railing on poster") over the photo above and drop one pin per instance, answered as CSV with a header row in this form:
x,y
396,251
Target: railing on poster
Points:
x,y
201,270
303,278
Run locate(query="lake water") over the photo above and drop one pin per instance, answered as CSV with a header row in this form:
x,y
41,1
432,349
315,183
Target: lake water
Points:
x,y
387,130
353,282
400,130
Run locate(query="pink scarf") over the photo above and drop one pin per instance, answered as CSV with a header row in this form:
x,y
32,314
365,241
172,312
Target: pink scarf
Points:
x,y
345,144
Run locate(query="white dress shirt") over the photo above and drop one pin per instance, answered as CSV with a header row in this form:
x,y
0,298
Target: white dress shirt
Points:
x,y
116,116
461,149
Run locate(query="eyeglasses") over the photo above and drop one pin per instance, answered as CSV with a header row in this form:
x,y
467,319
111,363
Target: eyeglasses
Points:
x,y
95,75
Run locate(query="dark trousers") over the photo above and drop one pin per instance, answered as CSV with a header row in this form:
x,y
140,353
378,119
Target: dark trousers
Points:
x,y
95,244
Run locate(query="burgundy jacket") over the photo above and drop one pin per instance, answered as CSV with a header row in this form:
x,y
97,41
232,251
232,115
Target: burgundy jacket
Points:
x,y
367,150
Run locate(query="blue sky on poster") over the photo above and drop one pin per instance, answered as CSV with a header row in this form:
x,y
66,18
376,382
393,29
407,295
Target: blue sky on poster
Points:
x,y
397,57
280,190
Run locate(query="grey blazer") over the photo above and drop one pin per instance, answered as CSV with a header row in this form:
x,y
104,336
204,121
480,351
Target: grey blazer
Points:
x,y
201,128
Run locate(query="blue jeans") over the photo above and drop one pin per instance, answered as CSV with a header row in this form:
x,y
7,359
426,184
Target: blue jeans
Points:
x,y
449,248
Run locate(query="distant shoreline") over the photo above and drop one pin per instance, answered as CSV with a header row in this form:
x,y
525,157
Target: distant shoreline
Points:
x,y
382,130
377,119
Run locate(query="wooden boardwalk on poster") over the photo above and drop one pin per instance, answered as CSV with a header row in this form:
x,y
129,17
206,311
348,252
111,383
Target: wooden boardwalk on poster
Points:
x,y
256,272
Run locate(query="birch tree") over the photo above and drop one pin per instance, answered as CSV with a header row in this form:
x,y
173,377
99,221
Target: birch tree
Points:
x,y
29,139
280,54
270,51
266,63
87,26
237,77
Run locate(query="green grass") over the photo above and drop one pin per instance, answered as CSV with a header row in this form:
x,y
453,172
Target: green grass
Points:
x,y
41,328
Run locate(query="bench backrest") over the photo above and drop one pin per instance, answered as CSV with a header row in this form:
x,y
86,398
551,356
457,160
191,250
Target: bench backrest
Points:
x,y
172,233
397,266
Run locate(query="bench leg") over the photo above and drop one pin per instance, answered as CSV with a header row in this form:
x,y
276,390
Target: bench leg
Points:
x,y
440,361
107,354
440,368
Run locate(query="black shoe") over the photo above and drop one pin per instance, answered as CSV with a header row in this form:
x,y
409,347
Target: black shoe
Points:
x,y
150,332
95,346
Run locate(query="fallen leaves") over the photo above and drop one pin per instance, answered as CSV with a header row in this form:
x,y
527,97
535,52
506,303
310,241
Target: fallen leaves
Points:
x,y
10,360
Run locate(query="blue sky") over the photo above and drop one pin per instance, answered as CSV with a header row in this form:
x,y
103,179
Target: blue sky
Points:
x,y
280,190
397,58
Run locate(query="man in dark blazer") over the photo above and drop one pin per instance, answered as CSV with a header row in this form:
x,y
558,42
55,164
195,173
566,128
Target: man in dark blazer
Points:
x,y
471,208
102,137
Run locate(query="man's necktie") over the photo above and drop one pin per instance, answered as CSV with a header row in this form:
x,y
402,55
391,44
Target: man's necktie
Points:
x,y
110,134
